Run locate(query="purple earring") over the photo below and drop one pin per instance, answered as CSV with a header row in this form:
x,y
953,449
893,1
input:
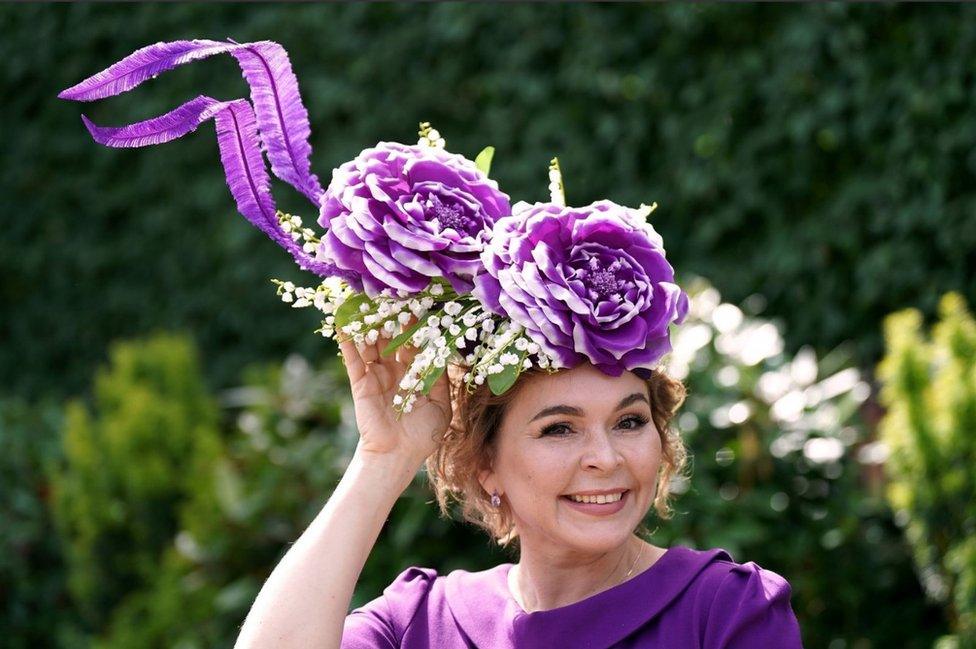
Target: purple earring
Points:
x,y
496,500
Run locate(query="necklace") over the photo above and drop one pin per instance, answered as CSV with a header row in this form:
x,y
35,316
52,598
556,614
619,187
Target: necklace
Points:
x,y
631,571
516,594
636,561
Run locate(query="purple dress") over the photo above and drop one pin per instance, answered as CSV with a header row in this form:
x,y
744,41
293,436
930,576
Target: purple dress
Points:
x,y
688,598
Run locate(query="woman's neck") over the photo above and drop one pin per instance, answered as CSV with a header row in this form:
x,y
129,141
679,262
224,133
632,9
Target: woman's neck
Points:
x,y
540,581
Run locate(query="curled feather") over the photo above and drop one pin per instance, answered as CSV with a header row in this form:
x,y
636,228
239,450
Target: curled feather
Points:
x,y
277,123
281,117
174,124
142,65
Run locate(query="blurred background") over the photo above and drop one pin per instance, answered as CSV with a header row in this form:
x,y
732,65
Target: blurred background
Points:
x,y
168,428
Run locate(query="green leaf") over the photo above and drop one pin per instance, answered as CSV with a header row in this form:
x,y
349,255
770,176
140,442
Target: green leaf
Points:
x,y
403,337
349,309
483,161
502,381
431,378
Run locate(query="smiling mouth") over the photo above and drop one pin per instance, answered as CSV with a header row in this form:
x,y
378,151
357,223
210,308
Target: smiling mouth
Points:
x,y
600,499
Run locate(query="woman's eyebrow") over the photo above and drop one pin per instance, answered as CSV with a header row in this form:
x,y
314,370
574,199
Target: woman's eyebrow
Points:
x,y
557,410
633,398
576,412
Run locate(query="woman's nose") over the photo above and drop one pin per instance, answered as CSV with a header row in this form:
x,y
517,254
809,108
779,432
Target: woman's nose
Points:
x,y
600,452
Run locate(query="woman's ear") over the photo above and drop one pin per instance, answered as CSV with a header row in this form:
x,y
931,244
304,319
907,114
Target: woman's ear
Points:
x,y
487,480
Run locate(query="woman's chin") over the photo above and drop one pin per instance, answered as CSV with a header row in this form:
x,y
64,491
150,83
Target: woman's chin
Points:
x,y
594,542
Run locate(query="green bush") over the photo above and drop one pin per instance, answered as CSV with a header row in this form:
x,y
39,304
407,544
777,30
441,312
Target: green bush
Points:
x,y
129,466
819,154
930,394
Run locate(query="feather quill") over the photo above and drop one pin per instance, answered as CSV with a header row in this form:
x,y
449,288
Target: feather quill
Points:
x,y
276,124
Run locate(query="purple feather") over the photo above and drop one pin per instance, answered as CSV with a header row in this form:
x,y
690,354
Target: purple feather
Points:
x,y
141,65
281,116
247,177
176,123
278,119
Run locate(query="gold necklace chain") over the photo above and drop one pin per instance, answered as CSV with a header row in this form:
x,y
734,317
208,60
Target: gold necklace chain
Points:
x,y
640,553
636,561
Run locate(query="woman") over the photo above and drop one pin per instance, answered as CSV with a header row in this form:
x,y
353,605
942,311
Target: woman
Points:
x,y
548,449
553,430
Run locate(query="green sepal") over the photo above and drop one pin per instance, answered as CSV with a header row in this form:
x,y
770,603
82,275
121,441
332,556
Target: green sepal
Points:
x,y
403,337
483,161
348,310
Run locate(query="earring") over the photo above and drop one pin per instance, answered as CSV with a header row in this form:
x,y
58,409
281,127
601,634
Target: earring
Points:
x,y
496,500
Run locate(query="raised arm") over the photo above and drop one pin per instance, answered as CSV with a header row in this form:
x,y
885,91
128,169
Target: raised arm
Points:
x,y
305,600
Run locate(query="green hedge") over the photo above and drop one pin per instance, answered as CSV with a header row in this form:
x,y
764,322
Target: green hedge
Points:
x,y
819,155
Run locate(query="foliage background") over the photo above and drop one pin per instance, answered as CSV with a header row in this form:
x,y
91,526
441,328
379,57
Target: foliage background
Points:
x,y
815,162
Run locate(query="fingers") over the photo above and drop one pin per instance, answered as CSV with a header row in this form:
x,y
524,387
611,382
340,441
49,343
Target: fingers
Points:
x,y
358,359
355,366
406,353
370,353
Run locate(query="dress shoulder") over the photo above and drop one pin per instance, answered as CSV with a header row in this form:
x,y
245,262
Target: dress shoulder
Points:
x,y
383,621
750,607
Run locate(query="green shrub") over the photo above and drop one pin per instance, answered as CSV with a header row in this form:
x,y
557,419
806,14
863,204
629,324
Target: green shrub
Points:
x,y
930,427
128,468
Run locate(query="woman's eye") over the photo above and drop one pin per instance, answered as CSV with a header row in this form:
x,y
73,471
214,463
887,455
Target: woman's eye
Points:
x,y
632,423
555,429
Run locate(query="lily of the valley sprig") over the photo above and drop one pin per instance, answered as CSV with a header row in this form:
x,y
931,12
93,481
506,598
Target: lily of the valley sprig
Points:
x,y
445,327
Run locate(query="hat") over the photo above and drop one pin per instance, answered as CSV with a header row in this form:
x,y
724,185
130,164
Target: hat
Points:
x,y
420,245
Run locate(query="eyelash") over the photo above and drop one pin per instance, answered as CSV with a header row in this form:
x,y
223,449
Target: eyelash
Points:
x,y
639,422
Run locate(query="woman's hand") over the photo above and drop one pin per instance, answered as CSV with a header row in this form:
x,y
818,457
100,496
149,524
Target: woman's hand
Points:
x,y
374,380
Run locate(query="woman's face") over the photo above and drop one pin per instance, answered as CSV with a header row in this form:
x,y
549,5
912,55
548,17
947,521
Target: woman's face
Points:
x,y
577,435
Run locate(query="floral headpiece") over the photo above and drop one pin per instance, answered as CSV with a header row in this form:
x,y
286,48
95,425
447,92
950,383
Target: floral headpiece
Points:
x,y
420,244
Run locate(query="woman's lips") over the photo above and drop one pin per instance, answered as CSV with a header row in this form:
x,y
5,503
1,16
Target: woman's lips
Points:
x,y
596,509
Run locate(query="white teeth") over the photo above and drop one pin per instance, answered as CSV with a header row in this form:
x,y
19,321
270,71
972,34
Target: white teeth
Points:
x,y
599,500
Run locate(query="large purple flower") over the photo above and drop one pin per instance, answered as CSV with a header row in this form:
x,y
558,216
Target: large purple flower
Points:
x,y
399,215
586,282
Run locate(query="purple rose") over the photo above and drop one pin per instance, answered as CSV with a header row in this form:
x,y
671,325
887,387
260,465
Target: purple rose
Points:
x,y
586,282
399,215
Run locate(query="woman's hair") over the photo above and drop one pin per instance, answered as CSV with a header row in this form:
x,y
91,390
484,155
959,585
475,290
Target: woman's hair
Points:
x,y
468,448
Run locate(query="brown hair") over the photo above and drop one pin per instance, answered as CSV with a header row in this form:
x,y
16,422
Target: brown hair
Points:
x,y
468,447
